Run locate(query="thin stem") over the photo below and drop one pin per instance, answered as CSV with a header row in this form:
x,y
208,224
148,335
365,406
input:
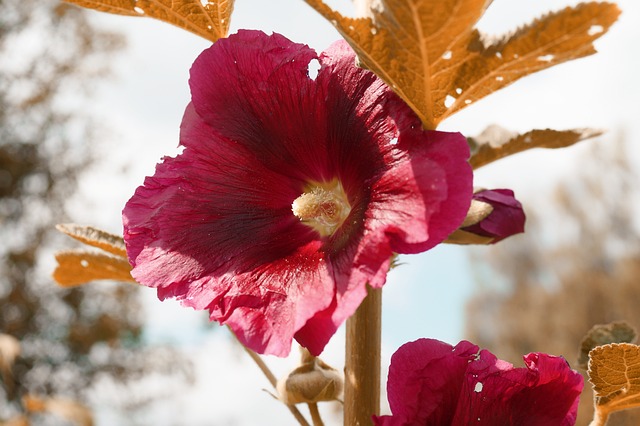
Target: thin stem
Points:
x,y
315,414
362,363
272,379
262,366
600,417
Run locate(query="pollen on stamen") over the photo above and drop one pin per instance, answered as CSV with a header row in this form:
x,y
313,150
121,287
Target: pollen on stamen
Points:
x,y
323,208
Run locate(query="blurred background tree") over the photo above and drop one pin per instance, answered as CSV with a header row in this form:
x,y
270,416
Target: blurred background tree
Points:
x,y
70,339
577,265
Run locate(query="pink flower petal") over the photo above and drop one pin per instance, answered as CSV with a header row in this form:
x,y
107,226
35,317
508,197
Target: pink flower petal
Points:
x,y
431,383
506,219
214,226
424,382
546,392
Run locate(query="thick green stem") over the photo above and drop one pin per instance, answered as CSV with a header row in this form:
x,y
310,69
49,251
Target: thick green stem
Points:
x,y
362,362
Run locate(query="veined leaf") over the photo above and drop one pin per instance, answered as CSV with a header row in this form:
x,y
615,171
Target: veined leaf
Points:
x,y
495,142
95,237
614,372
79,267
210,20
432,56
603,334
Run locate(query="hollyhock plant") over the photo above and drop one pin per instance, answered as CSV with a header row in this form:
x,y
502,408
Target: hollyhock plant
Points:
x,y
292,192
507,217
434,383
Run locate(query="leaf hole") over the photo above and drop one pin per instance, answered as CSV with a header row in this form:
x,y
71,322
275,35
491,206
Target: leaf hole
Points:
x,y
459,90
545,58
595,29
447,55
84,263
374,30
449,100
313,68
139,10
499,55
467,101
499,78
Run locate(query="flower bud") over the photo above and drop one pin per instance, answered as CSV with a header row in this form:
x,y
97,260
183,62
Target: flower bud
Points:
x,y
494,215
312,381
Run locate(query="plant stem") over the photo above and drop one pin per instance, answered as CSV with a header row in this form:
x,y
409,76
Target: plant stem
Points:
x,y
600,417
272,379
315,414
362,363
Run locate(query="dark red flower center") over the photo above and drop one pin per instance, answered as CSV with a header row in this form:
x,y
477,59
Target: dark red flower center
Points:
x,y
322,206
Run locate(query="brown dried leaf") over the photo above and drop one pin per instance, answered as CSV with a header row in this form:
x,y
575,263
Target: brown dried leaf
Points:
x,y
80,267
429,52
95,237
603,334
496,142
118,7
210,21
68,409
614,372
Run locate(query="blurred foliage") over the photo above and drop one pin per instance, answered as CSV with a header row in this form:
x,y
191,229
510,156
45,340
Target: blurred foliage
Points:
x,y
70,339
577,265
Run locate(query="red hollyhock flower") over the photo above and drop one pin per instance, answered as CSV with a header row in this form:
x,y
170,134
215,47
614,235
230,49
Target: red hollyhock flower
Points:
x,y
506,219
291,193
434,383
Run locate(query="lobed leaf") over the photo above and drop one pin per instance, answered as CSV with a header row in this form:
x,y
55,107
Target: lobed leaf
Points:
x,y
496,142
432,56
614,372
603,334
95,237
210,20
80,267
